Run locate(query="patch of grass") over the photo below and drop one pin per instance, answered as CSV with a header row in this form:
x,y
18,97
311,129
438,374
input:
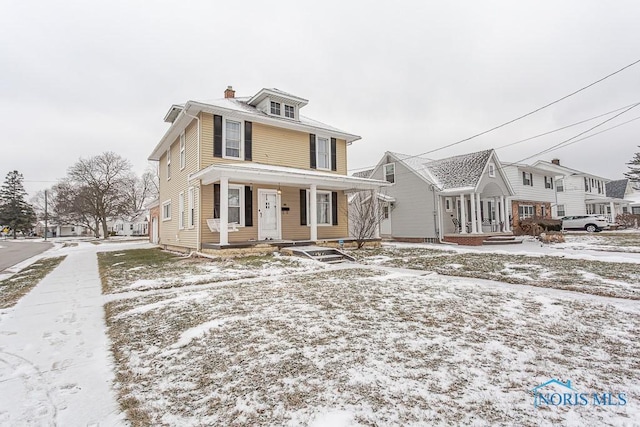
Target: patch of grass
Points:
x,y
621,280
18,285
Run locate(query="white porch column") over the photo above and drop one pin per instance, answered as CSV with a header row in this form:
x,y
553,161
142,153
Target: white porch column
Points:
x,y
474,221
479,212
376,213
463,215
505,214
497,215
313,212
224,211
613,211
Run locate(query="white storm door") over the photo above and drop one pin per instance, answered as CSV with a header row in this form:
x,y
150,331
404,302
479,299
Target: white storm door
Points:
x,y
385,223
268,215
154,230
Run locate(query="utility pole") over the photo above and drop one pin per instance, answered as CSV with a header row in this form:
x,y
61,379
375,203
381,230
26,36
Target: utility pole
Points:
x,y
46,228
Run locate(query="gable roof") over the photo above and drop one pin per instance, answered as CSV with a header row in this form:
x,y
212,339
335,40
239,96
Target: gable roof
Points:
x,y
363,174
617,188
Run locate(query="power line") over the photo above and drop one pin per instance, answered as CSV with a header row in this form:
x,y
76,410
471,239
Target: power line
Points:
x,y
524,115
564,127
561,144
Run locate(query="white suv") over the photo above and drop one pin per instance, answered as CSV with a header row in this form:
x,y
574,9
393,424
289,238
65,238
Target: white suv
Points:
x,y
590,223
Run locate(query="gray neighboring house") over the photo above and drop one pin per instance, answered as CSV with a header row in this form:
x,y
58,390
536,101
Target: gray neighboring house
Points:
x,y
621,189
426,199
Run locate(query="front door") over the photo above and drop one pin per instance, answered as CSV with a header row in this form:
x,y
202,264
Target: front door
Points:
x,y
268,215
385,223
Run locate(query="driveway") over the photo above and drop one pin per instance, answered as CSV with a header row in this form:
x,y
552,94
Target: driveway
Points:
x,y
11,253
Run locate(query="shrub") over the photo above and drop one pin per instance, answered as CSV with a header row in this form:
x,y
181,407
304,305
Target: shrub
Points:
x,y
628,220
535,226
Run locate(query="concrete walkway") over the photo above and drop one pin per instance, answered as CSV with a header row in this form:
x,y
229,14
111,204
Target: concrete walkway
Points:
x,y
55,365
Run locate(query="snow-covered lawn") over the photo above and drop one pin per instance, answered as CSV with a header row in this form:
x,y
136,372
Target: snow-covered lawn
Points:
x,y
627,241
369,345
620,280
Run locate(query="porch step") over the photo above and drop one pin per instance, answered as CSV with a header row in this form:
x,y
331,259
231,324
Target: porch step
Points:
x,y
328,255
501,240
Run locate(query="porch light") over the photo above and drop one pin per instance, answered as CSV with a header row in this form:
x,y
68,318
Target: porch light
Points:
x,y
279,190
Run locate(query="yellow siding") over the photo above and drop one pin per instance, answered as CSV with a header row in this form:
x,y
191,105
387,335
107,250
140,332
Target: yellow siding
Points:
x,y
272,145
290,220
170,189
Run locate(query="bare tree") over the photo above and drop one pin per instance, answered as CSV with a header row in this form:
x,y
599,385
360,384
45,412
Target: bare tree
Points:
x,y
365,214
102,185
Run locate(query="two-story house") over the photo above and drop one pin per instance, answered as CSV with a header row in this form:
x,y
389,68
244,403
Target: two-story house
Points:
x,y
252,169
535,192
580,193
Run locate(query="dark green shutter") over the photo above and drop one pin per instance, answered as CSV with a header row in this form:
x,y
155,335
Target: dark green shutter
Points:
x,y
312,150
216,200
303,207
334,207
248,128
334,163
248,206
217,136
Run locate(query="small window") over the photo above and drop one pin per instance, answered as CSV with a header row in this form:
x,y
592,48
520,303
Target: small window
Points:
x,y
385,212
586,184
235,204
169,163
492,170
232,139
625,209
323,204
183,153
390,172
323,153
289,111
527,179
447,204
560,186
561,210
548,182
181,210
166,210
275,108
525,211
191,213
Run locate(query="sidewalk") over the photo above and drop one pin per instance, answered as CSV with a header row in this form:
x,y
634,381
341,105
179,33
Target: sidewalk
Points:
x,y
55,365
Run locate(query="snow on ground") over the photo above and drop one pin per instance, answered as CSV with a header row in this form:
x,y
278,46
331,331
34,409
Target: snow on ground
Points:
x,y
55,368
371,345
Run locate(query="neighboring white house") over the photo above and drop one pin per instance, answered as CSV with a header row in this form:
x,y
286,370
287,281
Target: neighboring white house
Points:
x,y
535,192
581,193
137,225
61,230
445,199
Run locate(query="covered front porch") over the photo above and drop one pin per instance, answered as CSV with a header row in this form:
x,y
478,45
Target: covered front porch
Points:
x,y
249,204
475,212
609,207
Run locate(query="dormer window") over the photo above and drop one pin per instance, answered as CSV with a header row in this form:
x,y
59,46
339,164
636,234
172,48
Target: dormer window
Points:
x,y
289,111
492,170
275,108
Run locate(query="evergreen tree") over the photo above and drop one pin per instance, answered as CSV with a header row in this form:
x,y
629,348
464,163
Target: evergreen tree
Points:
x,y
634,165
15,212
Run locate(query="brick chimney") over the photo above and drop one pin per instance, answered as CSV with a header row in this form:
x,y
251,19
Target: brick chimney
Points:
x,y
229,92
556,162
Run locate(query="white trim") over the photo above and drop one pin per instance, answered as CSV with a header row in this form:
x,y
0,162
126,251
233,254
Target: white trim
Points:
x,y
162,211
329,215
224,138
191,209
169,163
183,150
181,210
261,192
384,172
328,139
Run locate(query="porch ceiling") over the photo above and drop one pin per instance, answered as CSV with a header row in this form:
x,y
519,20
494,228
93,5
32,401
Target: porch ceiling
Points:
x,y
280,175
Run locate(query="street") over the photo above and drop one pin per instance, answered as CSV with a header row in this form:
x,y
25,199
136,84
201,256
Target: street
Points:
x,y
12,252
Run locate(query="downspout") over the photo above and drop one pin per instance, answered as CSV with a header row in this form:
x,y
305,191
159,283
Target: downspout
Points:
x,y
436,223
198,248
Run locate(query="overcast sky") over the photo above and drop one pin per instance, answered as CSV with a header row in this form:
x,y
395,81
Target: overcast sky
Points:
x,y
79,78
